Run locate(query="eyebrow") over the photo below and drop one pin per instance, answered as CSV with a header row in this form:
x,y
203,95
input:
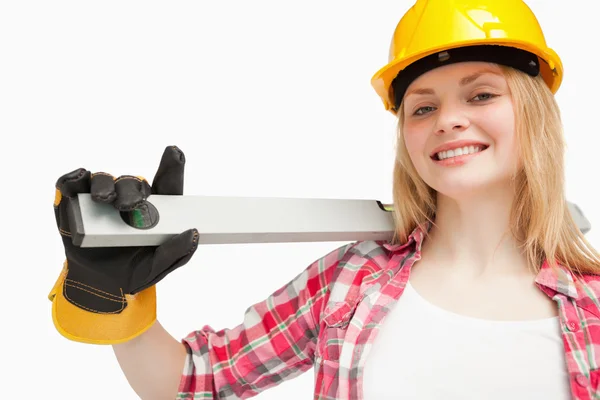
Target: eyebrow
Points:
x,y
464,81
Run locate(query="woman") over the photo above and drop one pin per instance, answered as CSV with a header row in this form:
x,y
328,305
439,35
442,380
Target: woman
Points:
x,y
488,290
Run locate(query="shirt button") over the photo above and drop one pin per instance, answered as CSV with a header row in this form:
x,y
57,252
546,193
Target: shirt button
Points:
x,y
581,380
573,326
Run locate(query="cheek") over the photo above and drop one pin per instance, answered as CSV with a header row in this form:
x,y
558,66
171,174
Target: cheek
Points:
x,y
415,142
503,134
500,123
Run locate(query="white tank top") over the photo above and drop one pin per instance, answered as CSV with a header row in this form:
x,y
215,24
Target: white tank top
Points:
x,y
424,352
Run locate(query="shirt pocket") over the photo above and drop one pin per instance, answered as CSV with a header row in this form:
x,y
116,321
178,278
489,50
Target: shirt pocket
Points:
x,y
334,325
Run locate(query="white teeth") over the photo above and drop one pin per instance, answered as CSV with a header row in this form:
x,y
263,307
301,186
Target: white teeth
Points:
x,y
458,152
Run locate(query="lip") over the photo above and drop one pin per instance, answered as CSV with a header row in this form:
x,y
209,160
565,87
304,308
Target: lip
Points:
x,y
456,144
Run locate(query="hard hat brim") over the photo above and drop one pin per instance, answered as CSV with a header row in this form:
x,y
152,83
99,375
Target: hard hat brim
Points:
x,y
551,67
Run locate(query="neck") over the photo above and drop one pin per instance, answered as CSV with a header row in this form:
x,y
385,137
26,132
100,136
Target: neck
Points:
x,y
472,235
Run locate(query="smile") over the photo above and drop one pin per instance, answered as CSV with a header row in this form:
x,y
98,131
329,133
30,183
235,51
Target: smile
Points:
x,y
459,156
466,150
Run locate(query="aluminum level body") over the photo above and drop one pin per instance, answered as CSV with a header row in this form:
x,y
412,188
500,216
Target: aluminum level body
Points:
x,y
230,220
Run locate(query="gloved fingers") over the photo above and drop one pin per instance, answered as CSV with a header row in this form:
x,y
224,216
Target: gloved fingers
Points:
x,y
131,192
169,256
170,174
67,186
72,183
103,187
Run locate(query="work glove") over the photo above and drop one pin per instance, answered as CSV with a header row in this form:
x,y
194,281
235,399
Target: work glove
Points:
x,y
108,295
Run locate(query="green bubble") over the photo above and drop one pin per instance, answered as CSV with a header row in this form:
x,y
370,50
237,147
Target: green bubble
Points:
x,y
138,218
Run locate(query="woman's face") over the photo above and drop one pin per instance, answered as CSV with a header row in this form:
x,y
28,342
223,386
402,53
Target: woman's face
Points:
x,y
464,114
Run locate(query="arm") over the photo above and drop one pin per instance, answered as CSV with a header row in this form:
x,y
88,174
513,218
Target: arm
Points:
x,y
152,363
275,342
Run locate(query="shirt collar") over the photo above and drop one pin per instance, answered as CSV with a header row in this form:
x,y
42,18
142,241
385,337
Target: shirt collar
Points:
x,y
559,279
415,239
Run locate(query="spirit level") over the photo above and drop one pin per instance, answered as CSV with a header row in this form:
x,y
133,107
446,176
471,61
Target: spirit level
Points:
x,y
229,220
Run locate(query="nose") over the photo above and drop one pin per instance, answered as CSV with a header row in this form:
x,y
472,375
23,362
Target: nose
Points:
x,y
451,119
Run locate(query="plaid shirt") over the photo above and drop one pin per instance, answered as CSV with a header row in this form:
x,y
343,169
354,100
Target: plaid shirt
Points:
x,y
327,318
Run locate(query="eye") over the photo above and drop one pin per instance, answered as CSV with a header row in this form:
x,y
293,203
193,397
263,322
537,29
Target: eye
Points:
x,y
421,110
483,96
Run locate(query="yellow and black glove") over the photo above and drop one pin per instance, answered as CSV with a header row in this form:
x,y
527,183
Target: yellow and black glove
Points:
x,y
107,295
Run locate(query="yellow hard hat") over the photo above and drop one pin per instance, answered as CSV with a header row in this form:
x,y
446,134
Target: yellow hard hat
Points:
x,y
433,33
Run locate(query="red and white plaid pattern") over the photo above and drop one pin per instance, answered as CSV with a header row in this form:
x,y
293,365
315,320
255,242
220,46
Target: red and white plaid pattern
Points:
x,y
327,318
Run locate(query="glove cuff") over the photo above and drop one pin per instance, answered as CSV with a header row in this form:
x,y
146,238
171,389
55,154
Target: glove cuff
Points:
x,y
86,326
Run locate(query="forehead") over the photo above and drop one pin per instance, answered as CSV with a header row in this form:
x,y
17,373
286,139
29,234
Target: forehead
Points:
x,y
455,73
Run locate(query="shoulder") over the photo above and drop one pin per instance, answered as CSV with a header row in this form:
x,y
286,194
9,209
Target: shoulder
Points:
x,y
360,265
372,256
581,290
591,280
588,290
361,254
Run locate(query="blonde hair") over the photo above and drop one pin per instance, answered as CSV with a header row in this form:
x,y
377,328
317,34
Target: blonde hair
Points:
x,y
540,218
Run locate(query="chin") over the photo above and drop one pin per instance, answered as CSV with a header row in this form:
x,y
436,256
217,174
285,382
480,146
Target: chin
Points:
x,y
459,188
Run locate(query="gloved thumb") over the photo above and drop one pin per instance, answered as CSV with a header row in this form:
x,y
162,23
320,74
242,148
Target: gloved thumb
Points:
x,y
169,256
170,174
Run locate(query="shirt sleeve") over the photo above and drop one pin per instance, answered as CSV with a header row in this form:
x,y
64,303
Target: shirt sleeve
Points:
x,y
276,340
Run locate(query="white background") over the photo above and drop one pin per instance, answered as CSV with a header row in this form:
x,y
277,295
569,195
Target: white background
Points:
x,y
266,98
